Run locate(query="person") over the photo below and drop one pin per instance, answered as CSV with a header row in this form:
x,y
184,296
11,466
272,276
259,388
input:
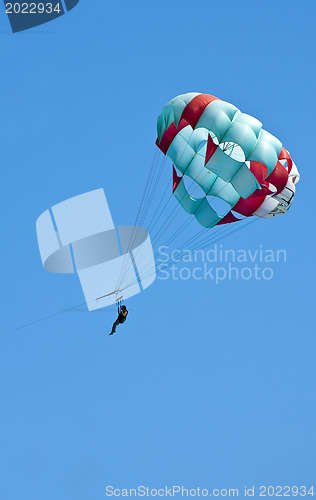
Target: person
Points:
x,y
122,315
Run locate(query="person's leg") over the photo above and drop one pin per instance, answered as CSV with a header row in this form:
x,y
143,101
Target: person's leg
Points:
x,y
114,326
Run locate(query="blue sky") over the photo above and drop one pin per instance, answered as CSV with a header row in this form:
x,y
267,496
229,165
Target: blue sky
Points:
x,y
205,385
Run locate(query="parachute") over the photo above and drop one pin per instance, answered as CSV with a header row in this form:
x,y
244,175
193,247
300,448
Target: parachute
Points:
x,y
230,157
237,170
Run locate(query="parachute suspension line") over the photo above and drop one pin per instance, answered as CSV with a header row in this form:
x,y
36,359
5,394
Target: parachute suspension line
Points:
x,y
221,233
216,238
160,233
153,191
179,231
11,330
175,235
119,301
204,230
128,264
128,267
145,253
188,222
164,265
186,196
219,236
138,216
202,237
153,222
233,230
208,239
182,247
171,195
183,199
58,313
